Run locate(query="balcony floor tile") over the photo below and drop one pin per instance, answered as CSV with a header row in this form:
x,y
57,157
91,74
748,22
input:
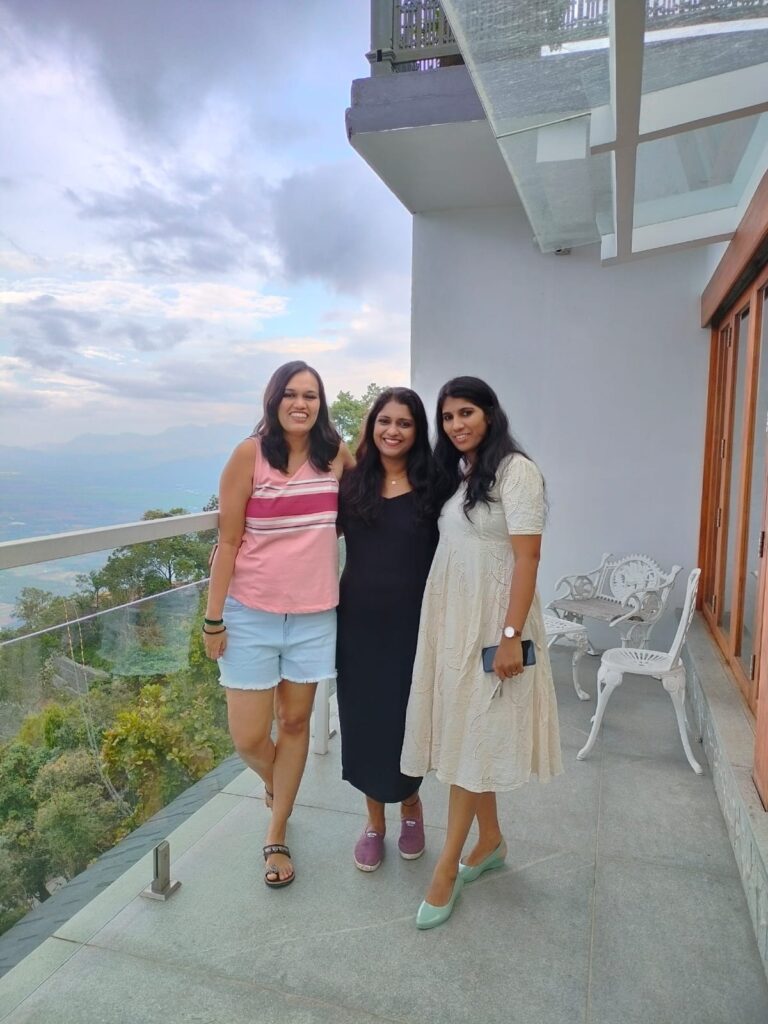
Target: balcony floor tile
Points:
x,y
620,901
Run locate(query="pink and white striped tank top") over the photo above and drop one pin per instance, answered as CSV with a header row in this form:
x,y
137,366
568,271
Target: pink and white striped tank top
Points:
x,y
289,558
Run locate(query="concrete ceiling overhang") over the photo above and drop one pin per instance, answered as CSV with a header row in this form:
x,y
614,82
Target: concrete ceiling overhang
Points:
x,y
439,166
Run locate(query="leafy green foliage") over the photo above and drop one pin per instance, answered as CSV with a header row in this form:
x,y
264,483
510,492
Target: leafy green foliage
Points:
x,y
20,765
140,570
14,901
73,827
348,412
164,742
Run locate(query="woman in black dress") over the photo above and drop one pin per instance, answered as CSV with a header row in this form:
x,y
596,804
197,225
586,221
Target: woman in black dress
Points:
x,y
388,517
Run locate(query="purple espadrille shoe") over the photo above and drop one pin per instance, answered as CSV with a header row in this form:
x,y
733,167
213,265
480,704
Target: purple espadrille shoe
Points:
x,y
411,841
369,850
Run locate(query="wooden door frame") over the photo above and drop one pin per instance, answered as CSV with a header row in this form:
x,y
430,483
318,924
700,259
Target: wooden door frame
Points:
x,y
744,345
740,279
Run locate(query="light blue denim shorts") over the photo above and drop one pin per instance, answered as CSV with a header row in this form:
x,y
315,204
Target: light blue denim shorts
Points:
x,y
265,647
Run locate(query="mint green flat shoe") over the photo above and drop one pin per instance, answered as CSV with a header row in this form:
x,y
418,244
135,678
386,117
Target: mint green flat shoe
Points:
x,y
428,916
495,859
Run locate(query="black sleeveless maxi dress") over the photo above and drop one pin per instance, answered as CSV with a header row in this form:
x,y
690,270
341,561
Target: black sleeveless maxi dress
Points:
x,y
378,623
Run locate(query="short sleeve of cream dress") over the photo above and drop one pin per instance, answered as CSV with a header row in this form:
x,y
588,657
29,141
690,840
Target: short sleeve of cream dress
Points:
x,y
474,731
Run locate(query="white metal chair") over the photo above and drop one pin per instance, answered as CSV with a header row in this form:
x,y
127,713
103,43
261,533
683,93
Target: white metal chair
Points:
x,y
666,666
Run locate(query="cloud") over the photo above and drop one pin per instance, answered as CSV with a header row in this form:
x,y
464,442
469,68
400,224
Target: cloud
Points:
x,y
161,61
186,210
56,326
332,223
42,358
15,400
48,318
198,226
42,327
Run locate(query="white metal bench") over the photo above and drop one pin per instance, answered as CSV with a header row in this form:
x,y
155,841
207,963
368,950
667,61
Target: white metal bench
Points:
x,y
628,592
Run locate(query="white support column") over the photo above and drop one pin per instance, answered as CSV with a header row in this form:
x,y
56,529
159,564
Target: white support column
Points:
x,y
382,53
321,718
627,42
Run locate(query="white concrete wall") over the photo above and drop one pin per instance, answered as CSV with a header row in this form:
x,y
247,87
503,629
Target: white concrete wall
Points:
x,y
602,370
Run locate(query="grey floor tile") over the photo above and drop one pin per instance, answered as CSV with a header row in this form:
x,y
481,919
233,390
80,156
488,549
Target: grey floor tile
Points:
x,y
335,930
101,987
673,944
561,813
662,812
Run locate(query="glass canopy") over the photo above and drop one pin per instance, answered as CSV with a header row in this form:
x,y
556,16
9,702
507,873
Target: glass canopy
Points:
x,y
638,124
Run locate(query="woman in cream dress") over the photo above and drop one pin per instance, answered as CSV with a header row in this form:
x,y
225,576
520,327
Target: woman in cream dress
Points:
x,y
483,733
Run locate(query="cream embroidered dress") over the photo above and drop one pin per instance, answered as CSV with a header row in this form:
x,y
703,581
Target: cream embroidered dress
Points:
x,y
475,731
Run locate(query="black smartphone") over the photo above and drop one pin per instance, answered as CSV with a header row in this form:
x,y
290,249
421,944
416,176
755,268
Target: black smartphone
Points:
x,y
529,655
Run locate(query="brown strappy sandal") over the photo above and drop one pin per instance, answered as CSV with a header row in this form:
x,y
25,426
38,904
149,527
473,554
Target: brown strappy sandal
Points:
x,y
271,869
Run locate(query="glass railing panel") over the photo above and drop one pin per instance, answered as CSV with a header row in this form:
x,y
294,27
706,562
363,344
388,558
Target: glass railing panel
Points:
x,y
104,717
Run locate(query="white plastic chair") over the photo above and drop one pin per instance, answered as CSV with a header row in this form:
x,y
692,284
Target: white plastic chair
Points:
x,y
666,666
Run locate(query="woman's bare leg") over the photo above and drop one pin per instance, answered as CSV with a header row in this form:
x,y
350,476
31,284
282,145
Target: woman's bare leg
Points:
x,y
462,808
293,708
411,808
376,821
490,830
250,725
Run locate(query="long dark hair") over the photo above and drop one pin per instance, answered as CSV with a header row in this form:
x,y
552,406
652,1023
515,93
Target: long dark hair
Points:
x,y
361,487
496,445
324,441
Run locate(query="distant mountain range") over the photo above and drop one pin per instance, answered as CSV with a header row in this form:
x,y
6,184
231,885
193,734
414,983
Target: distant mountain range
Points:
x,y
99,479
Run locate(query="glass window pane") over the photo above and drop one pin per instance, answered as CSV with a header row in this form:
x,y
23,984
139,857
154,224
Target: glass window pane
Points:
x,y
756,504
698,171
737,448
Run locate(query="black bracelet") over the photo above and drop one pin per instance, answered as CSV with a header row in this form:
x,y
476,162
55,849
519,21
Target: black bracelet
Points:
x,y
213,622
215,632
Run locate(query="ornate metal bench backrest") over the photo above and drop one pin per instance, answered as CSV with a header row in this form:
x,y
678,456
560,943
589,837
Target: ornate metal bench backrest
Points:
x,y
637,586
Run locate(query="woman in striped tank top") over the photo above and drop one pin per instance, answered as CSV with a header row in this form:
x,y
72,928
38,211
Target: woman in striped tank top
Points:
x,y
271,615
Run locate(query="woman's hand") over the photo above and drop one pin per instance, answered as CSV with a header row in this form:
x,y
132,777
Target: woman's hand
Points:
x,y
509,658
215,643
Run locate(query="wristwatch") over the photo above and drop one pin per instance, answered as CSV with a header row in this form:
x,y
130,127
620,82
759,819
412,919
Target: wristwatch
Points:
x,y
510,632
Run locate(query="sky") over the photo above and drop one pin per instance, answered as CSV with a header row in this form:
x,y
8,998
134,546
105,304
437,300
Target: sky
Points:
x,y
181,212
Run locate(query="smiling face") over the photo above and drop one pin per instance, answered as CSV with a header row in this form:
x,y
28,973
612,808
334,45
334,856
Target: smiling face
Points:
x,y
465,424
299,407
394,430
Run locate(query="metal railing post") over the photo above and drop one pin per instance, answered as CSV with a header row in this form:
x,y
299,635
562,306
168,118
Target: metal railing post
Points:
x,y
382,53
321,718
161,887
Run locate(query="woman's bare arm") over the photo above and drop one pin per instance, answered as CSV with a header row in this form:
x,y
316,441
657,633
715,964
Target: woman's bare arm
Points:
x,y
527,552
235,488
344,460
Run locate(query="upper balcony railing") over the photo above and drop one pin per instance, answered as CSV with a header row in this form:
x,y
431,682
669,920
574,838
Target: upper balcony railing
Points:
x,y
414,35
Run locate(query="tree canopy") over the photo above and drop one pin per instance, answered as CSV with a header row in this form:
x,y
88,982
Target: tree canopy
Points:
x,y
348,412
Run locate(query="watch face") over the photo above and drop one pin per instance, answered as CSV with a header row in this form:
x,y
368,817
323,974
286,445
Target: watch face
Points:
x,y
510,631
